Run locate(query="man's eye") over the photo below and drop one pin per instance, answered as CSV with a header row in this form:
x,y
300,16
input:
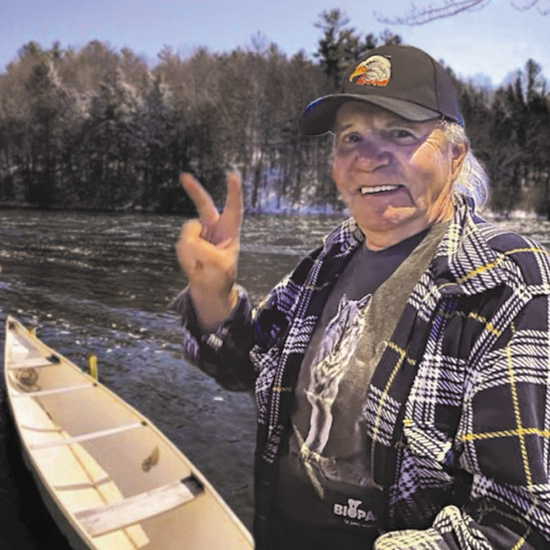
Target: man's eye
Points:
x,y
401,135
352,137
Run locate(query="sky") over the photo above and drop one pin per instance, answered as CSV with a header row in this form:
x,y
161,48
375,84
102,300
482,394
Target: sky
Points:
x,y
494,41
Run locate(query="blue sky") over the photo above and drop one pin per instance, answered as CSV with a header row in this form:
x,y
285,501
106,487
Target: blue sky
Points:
x,y
495,40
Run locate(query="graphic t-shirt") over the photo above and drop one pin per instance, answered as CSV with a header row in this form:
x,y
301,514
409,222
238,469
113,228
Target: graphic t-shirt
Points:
x,y
324,478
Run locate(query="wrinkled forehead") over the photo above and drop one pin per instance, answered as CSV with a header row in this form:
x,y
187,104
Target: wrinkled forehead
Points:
x,y
362,112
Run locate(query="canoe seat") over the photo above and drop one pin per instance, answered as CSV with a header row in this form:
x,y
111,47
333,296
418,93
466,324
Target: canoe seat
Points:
x,y
34,363
86,437
104,519
65,389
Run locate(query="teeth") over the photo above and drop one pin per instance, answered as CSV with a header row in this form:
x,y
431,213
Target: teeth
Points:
x,y
377,189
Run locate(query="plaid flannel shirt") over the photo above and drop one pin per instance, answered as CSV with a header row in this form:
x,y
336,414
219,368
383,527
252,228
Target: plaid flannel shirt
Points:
x,y
458,409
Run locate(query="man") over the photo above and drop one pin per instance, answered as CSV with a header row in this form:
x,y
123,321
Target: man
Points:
x,y
401,371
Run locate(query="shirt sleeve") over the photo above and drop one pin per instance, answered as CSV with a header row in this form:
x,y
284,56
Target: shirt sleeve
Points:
x,y
225,353
505,433
222,353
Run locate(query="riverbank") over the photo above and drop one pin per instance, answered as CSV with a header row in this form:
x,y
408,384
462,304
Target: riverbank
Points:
x,y
327,210
319,210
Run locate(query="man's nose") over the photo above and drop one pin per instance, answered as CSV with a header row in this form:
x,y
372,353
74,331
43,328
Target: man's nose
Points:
x,y
372,154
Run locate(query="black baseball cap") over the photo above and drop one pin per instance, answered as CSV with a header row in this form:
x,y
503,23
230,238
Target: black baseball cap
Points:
x,y
402,79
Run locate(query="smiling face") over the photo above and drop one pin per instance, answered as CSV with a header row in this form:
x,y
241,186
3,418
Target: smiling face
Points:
x,y
394,175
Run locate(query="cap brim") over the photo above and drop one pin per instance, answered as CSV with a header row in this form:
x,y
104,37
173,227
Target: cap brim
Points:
x,y
320,115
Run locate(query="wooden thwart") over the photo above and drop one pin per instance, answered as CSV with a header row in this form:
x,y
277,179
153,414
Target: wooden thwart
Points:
x,y
55,390
33,363
85,437
105,519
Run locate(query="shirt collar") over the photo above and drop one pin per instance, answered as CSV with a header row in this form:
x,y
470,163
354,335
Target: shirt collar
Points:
x,y
464,262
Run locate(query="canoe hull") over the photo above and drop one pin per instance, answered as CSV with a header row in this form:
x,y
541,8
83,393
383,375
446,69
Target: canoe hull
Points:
x,y
108,476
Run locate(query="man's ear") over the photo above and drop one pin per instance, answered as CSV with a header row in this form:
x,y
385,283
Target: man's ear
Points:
x,y
458,154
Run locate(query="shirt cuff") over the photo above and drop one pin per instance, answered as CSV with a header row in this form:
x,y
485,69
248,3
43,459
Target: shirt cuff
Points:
x,y
183,305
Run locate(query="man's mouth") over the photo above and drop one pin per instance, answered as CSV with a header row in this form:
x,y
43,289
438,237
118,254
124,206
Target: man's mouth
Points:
x,y
375,189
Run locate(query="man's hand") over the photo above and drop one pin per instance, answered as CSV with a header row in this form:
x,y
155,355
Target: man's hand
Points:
x,y
208,250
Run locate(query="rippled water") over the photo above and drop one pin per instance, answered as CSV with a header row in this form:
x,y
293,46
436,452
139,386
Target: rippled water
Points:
x,y
100,283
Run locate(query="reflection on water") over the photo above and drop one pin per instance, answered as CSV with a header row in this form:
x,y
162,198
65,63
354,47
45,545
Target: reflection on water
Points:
x,y
100,283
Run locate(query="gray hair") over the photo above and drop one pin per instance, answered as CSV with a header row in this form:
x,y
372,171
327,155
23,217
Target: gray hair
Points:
x,y
472,179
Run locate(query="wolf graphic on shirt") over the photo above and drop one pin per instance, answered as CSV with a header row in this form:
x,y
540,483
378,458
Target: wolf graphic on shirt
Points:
x,y
337,347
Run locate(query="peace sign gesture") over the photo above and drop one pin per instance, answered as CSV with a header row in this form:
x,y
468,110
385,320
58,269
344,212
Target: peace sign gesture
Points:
x,y
208,250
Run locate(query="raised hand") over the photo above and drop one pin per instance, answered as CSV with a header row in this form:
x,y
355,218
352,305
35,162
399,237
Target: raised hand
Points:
x,y
208,250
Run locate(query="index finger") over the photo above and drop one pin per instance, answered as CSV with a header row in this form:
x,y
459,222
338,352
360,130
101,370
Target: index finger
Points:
x,y
233,209
208,213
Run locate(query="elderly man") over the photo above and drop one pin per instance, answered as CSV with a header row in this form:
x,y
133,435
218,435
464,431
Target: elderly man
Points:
x,y
402,370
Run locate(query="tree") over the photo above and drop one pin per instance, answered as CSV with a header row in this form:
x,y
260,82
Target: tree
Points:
x,y
503,153
419,15
516,151
341,46
52,109
331,51
109,143
155,129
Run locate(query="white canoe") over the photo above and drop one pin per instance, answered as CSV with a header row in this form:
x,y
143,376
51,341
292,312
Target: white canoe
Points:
x,y
110,478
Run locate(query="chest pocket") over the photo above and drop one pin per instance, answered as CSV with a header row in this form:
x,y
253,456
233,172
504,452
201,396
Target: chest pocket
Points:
x,y
430,453
424,483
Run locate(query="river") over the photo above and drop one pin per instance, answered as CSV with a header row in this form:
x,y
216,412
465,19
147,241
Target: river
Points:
x,y
101,283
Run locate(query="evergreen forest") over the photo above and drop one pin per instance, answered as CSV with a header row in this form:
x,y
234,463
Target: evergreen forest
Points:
x,y
97,128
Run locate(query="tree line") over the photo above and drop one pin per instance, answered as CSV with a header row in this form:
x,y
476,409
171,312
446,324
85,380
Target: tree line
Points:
x,y
96,128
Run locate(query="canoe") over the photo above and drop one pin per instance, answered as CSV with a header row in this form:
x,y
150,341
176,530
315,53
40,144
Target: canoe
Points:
x,y
109,477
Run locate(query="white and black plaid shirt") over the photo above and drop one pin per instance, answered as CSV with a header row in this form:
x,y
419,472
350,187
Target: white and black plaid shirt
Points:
x,y
458,409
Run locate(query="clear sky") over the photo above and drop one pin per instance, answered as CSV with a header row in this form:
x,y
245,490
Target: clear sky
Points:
x,y
495,40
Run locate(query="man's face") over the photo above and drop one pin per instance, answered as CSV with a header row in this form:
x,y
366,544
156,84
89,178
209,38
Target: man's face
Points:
x,y
394,175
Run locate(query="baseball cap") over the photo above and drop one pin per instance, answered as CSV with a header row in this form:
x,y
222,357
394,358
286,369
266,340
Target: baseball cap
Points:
x,y
402,79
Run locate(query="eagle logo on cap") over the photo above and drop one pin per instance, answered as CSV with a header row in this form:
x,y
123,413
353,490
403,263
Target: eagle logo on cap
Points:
x,y
374,71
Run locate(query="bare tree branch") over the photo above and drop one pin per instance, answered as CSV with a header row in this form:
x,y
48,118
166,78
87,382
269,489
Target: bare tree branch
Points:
x,y
525,5
424,14
419,15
